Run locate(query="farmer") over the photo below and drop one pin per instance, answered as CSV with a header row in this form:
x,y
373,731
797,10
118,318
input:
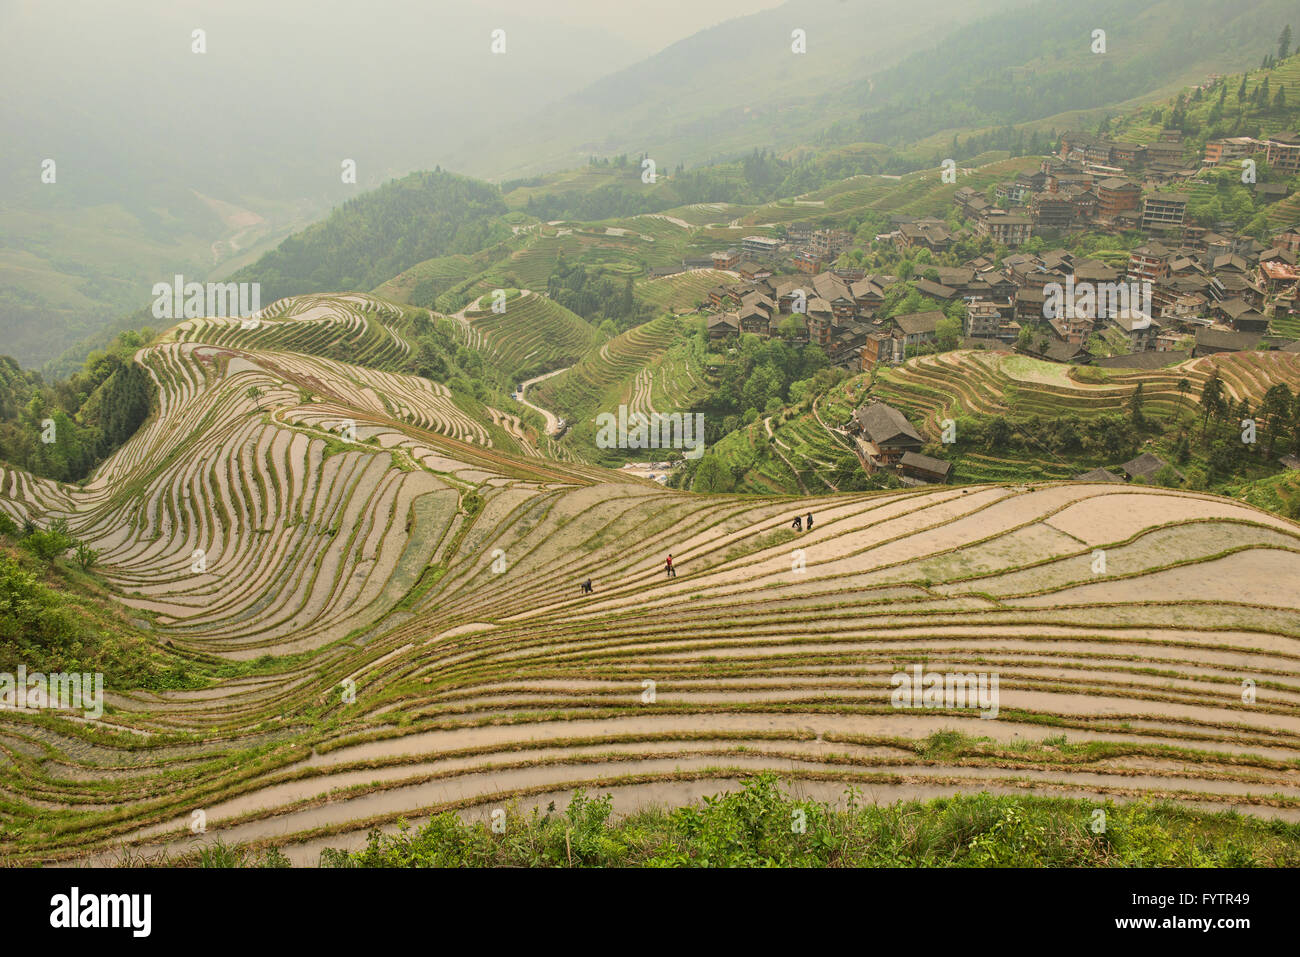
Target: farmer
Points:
x,y
586,587
669,571
809,521
797,524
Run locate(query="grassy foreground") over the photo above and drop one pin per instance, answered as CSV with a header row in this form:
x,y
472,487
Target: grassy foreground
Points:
x,y
762,826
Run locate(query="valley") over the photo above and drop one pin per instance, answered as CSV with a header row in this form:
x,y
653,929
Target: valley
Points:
x,y
837,437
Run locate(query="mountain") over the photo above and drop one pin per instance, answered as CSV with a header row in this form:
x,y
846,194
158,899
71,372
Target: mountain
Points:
x,y
733,87
873,76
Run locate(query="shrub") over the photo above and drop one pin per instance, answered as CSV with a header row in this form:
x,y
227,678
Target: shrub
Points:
x,y
47,545
86,556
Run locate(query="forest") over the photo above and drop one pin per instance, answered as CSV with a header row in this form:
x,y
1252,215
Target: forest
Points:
x,y
374,237
62,430
595,297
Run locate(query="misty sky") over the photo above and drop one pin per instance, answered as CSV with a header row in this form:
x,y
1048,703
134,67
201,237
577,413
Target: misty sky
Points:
x,y
114,89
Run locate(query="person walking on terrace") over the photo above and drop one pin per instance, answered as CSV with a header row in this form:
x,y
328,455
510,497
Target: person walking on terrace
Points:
x,y
669,571
808,522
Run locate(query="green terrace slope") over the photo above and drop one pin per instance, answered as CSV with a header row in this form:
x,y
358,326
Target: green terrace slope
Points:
x,y
401,601
651,367
532,335
683,292
931,388
923,193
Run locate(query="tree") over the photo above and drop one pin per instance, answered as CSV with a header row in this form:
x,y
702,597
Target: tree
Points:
x,y
86,556
1275,411
1168,476
999,433
1212,400
1135,406
711,476
1184,387
1284,43
948,332
47,545
255,394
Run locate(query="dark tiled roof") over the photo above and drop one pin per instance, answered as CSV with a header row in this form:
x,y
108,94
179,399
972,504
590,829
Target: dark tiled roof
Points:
x,y
915,323
925,463
1144,466
1098,475
883,423
1231,341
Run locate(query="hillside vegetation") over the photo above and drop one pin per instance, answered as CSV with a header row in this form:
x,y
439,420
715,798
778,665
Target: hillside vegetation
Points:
x,y
372,238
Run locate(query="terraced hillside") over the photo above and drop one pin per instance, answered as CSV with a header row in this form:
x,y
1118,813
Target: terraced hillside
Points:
x,y
357,328
533,334
938,386
684,291
406,606
923,193
649,368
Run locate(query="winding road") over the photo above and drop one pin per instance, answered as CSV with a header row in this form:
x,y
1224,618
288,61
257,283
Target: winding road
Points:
x,y
552,422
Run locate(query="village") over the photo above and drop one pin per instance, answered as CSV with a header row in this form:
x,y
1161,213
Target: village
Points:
x,y
1185,290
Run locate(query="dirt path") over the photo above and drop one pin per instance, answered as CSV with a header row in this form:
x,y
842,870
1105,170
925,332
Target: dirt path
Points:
x,y
777,445
816,461
837,434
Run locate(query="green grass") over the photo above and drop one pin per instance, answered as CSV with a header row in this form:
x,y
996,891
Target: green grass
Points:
x,y
55,617
761,825
1277,493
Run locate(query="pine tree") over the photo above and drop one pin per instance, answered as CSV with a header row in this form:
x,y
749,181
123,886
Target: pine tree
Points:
x,y
1212,400
1284,43
1135,405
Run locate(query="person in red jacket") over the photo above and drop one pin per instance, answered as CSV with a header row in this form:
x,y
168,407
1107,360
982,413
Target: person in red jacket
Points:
x,y
668,568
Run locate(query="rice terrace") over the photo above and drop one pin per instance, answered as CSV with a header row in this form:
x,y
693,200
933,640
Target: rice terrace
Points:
x,y
389,624
664,436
